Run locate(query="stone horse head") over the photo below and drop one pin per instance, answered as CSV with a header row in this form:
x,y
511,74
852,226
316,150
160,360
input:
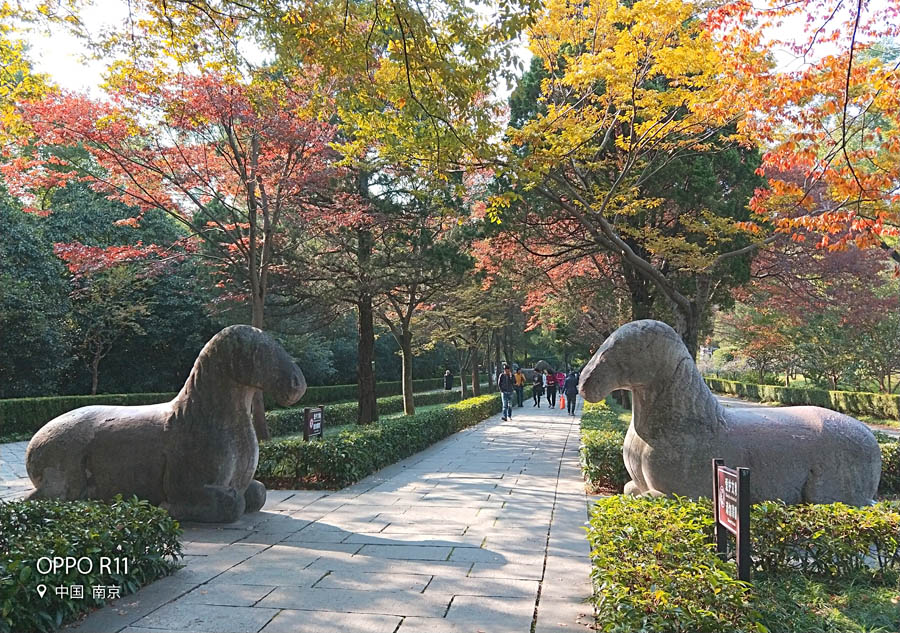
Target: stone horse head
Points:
x,y
194,455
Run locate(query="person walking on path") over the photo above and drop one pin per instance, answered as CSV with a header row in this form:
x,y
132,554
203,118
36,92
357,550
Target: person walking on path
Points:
x,y
537,389
570,386
520,386
448,380
506,384
550,385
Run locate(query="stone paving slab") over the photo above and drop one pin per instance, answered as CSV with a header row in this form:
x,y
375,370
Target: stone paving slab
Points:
x,y
484,531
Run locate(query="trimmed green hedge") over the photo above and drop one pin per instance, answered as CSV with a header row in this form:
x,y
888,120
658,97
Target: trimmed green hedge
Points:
x,y
603,433
287,421
879,405
602,436
27,415
655,568
338,461
29,530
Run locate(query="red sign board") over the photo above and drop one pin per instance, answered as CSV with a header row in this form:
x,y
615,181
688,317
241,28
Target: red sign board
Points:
x,y
727,512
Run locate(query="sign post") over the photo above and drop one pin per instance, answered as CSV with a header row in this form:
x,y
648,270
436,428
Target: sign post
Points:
x,y
313,423
731,505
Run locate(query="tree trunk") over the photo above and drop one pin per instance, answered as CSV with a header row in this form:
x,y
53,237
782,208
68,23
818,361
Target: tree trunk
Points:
x,y
639,291
462,375
258,405
95,373
368,407
473,360
406,356
497,357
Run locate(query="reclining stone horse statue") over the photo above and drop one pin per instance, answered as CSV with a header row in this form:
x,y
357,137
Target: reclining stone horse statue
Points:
x,y
796,454
195,456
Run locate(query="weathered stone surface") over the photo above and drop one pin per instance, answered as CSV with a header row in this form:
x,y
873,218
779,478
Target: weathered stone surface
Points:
x,y
194,456
796,454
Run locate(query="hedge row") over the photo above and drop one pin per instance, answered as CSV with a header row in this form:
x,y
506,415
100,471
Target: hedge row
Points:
x,y
134,530
654,565
603,433
288,421
338,461
879,405
27,415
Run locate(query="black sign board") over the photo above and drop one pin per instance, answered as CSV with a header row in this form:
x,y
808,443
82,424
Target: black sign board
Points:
x,y
731,505
313,422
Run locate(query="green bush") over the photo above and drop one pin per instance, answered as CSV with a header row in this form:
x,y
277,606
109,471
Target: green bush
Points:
x,y
338,461
29,530
602,435
655,567
890,465
24,416
288,421
879,405
826,540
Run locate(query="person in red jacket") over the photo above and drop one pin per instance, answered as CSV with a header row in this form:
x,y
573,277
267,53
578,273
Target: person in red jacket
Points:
x,y
550,379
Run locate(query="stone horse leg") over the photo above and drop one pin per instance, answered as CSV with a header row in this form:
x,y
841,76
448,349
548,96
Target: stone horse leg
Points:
x,y
209,504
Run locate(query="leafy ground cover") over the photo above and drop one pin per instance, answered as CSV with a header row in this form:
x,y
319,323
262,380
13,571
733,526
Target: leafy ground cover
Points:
x,y
816,568
132,530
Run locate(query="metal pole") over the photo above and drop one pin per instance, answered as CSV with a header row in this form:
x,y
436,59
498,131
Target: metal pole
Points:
x,y
743,537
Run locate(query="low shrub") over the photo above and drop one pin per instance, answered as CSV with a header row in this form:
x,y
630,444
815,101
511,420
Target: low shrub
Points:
x,y
288,421
653,569
890,464
879,405
125,529
655,566
22,417
826,540
338,461
602,435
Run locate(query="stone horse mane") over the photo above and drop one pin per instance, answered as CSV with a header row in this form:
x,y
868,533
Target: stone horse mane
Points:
x,y
230,368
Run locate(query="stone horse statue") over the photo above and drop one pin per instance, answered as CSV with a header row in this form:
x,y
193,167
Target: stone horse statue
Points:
x,y
797,454
195,456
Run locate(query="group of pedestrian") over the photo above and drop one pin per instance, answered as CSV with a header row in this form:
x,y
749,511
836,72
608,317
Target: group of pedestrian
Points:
x,y
546,383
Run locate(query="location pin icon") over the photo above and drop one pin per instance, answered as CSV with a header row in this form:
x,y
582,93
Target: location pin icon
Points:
x,y
41,589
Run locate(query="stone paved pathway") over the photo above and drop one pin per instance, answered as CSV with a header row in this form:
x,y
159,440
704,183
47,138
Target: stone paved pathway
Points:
x,y
482,532
14,482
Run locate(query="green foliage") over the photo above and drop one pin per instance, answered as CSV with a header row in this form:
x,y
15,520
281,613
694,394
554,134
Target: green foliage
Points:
x,y
655,567
287,421
338,461
602,435
890,465
27,415
29,530
33,303
880,405
827,540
